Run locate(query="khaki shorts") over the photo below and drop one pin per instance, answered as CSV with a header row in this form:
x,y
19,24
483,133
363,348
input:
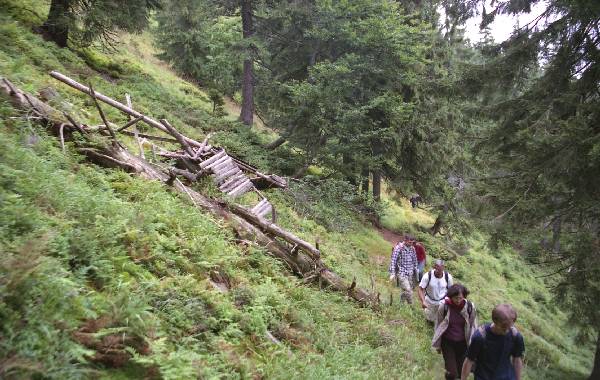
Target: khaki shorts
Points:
x,y
431,311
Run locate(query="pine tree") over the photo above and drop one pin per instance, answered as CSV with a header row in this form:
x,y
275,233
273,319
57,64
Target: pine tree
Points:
x,y
84,22
542,87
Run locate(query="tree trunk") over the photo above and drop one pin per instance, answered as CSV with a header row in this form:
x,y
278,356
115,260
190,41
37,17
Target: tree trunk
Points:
x,y
277,143
364,185
377,185
439,221
56,26
595,375
349,165
437,225
301,171
247,113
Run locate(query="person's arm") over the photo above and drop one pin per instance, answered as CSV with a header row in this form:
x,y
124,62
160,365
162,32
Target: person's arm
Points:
x,y
421,296
415,262
475,323
518,365
466,369
393,263
439,316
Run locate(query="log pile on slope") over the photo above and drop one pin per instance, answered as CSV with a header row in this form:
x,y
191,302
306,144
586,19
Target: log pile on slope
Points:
x,y
300,257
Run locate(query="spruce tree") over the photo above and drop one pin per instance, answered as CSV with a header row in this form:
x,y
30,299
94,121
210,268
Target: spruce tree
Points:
x,y
541,87
85,22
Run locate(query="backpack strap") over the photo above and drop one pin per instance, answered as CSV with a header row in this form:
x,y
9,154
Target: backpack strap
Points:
x,y
513,331
446,277
428,280
481,330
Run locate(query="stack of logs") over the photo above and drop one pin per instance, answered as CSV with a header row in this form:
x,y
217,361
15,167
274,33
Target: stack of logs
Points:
x,y
299,256
197,158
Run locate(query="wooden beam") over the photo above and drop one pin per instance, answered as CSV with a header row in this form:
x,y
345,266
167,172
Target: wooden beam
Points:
x,y
102,116
151,137
274,229
299,263
111,102
214,158
130,123
180,138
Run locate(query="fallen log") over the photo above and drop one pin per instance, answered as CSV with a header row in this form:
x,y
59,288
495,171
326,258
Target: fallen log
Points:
x,y
239,219
274,229
120,106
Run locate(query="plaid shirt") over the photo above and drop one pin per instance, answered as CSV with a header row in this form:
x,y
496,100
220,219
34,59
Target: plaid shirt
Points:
x,y
405,258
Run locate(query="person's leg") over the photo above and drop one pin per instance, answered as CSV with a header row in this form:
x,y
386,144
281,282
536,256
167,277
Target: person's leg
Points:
x,y
405,288
421,268
449,354
460,351
431,312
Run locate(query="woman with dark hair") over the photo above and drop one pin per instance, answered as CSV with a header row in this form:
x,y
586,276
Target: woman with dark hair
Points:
x,y
456,321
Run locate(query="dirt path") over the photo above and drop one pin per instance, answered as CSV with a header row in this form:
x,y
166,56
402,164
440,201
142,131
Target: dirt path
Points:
x,y
390,236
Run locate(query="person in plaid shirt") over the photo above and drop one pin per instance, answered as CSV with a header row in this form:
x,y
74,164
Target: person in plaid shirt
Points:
x,y
403,266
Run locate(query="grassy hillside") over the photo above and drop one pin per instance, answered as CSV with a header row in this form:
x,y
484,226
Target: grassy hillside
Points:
x,y
96,259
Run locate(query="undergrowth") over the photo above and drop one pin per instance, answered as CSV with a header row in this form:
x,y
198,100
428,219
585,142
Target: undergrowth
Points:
x,y
83,245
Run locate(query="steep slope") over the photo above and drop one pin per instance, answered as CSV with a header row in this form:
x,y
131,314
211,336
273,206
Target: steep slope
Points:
x,y
143,273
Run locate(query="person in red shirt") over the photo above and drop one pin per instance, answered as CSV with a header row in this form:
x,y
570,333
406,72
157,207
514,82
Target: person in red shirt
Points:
x,y
421,258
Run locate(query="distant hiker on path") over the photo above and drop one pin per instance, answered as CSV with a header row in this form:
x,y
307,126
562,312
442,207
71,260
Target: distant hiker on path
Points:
x,y
456,320
414,200
492,347
421,258
403,267
433,288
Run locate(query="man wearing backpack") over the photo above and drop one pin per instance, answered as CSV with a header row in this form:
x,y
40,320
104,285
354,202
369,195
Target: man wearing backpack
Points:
x,y
432,289
403,267
496,348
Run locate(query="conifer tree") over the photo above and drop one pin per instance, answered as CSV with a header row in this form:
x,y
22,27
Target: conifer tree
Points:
x,y
542,88
84,22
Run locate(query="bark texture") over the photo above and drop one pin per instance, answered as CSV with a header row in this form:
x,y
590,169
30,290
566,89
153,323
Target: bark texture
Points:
x,y
247,113
56,26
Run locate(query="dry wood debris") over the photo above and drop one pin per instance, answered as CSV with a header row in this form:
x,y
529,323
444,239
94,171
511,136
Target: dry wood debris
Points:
x,y
198,158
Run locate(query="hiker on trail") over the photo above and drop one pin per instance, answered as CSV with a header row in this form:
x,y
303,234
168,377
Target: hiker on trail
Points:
x,y
403,267
414,200
492,347
456,320
433,288
421,259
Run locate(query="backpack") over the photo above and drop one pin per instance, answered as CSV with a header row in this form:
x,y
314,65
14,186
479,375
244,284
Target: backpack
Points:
x,y
429,280
482,331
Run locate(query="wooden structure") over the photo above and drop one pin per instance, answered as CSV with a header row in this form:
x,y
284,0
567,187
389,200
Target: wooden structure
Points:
x,y
230,174
249,225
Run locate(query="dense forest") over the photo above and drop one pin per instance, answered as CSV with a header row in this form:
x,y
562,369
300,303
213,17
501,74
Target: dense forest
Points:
x,y
138,135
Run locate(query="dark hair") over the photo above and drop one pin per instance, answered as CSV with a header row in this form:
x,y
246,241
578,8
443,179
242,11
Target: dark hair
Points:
x,y
457,289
